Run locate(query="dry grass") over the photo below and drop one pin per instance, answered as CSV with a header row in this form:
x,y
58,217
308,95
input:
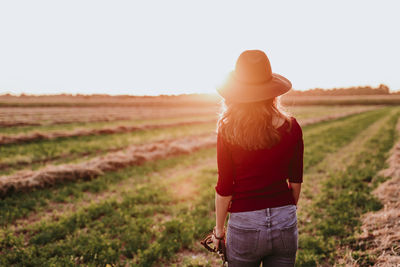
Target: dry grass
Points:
x,y
133,155
45,135
31,116
34,136
108,100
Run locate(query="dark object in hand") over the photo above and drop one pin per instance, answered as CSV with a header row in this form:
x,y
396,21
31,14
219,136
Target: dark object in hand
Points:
x,y
208,244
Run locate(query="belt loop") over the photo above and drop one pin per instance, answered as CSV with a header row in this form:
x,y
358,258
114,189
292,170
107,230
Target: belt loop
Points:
x,y
268,212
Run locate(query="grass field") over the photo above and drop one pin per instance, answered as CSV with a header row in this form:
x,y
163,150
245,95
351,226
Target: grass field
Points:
x,y
153,212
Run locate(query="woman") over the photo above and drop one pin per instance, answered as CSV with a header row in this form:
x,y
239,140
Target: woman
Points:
x,y
260,167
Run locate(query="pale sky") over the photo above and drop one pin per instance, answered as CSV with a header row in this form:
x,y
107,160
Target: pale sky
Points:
x,y
173,47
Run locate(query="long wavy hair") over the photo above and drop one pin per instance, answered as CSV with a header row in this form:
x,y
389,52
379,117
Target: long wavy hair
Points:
x,y
250,125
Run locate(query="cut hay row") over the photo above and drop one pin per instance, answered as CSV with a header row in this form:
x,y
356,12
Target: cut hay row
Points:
x,y
381,230
339,125
34,155
60,209
88,233
35,136
17,116
132,155
25,180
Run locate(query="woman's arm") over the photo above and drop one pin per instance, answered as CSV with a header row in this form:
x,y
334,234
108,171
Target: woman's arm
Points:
x,y
221,210
296,188
224,187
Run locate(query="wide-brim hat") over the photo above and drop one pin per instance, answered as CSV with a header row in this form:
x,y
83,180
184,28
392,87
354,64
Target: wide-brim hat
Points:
x,y
253,79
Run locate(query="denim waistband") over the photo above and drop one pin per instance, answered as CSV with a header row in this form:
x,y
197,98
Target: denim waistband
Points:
x,y
278,217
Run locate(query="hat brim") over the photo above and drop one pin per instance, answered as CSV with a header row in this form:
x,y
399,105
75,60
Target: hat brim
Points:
x,y
237,91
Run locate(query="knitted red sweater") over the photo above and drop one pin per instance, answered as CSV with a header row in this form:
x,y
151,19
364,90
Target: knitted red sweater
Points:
x,y
257,179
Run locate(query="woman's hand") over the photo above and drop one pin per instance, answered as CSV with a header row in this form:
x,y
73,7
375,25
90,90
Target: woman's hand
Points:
x,y
215,242
296,188
221,210
217,233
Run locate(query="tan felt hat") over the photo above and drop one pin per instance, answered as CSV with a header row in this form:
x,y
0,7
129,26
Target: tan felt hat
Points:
x,y
253,80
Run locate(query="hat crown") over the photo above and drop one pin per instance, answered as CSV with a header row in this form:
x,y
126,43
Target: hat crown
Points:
x,y
253,80
253,66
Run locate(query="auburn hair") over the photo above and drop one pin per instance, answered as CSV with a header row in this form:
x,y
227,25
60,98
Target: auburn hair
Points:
x,y
249,125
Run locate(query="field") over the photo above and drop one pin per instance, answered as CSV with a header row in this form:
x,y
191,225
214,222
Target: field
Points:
x,y
91,183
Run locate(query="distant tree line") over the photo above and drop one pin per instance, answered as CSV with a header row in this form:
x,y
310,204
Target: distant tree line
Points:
x,y
382,89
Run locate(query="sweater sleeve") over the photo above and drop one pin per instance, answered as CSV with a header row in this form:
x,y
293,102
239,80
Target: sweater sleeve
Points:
x,y
224,185
296,162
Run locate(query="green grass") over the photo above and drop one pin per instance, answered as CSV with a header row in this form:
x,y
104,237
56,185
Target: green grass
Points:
x,y
315,136
150,224
97,235
343,198
189,224
21,204
112,231
328,137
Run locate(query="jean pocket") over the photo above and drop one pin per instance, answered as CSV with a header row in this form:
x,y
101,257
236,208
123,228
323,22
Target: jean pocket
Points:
x,y
242,242
286,218
289,236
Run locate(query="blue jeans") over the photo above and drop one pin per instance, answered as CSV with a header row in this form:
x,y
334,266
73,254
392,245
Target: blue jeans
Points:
x,y
268,236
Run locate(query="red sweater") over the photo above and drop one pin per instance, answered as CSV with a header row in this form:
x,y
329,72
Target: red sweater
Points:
x,y
257,179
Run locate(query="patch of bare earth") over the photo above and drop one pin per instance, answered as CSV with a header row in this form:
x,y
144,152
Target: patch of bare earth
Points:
x,y
197,257
185,187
